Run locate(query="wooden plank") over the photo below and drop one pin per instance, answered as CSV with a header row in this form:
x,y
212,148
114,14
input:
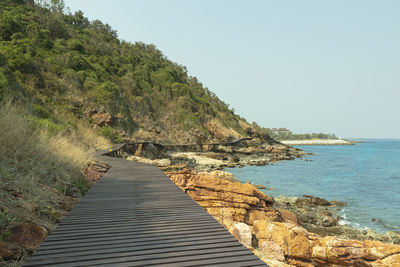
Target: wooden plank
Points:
x,y
127,233
130,242
179,259
144,252
105,241
138,246
121,227
136,216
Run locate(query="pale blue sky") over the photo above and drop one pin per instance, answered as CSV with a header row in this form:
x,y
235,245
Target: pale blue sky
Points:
x,y
311,66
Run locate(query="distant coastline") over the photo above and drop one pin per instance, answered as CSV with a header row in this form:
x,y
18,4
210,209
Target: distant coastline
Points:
x,y
317,142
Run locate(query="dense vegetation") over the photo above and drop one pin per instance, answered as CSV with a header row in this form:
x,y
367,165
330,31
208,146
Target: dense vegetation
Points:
x,y
69,86
65,68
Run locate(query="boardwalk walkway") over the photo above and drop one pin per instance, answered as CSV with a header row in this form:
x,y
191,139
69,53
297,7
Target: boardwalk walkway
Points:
x,y
135,216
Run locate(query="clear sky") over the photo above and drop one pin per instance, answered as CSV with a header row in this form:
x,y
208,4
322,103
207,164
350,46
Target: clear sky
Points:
x,y
310,66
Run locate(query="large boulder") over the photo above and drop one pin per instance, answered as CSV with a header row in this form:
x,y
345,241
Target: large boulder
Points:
x,y
225,214
242,232
291,238
29,236
289,216
225,198
350,252
393,260
279,238
267,213
271,250
102,119
302,248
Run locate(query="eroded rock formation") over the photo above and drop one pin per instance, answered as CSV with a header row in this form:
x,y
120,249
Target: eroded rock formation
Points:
x,y
226,200
276,236
304,247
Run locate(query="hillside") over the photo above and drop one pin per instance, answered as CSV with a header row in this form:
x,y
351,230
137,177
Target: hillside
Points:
x,y
69,87
65,68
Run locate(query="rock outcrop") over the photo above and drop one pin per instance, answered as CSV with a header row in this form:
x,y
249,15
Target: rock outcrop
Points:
x,y
242,232
320,216
220,132
93,171
226,200
275,235
99,119
304,248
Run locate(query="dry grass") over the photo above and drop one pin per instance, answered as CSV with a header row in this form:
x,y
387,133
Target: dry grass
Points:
x,y
90,137
38,168
76,148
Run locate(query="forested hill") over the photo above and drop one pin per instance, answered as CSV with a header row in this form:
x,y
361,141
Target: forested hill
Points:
x,y
65,68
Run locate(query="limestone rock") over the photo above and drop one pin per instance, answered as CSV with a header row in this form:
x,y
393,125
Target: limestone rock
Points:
x,y
200,194
275,263
304,249
393,236
271,250
224,198
350,252
393,261
242,232
291,238
310,201
226,214
93,171
163,162
102,119
328,221
379,250
300,263
268,214
281,240
289,216
222,175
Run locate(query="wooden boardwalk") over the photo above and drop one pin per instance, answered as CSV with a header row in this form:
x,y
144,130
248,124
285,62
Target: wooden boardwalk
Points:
x,y
135,216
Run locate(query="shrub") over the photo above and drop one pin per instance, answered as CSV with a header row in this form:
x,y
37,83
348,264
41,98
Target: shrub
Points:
x,y
111,134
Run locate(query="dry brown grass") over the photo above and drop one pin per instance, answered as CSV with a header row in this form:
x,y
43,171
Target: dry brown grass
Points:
x,y
37,168
76,148
89,136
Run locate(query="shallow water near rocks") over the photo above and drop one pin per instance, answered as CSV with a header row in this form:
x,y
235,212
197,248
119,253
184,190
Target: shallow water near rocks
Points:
x,y
365,175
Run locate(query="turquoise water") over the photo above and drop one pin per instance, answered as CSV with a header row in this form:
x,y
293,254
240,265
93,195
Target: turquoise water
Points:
x,y
365,175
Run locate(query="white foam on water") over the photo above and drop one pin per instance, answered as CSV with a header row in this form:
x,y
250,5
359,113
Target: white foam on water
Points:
x,y
344,222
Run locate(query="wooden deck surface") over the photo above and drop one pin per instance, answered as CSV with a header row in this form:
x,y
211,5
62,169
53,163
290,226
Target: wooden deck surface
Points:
x,y
135,216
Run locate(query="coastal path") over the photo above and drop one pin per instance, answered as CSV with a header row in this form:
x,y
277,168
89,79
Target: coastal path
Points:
x,y
136,216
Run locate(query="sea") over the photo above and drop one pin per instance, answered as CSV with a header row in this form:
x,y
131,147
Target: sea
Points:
x,y
366,176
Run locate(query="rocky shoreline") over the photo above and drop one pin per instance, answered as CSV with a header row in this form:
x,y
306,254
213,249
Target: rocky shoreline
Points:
x,y
278,235
319,216
284,231
317,142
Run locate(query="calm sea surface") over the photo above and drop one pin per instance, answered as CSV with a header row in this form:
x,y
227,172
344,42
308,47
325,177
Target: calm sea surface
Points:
x,y
365,175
